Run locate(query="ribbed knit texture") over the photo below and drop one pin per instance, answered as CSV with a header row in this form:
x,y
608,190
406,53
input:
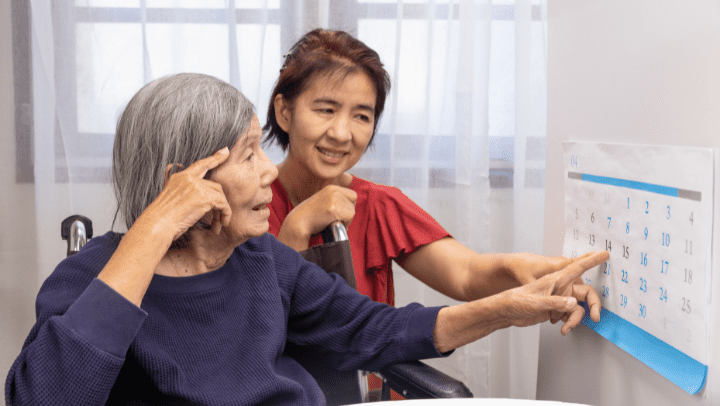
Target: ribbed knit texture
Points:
x,y
210,339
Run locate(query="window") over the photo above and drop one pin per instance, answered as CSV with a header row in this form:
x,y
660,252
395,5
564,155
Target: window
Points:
x,y
107,49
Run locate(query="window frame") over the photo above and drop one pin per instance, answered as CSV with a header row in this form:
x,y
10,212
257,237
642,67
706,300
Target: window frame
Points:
x,y
22,87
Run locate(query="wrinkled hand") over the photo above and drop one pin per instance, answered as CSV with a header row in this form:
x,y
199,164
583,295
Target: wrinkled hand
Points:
x,y
311,216
555,294
527,268
187,197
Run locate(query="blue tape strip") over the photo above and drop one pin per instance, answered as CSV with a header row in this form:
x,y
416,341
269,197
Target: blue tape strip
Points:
x,y
669,362
631,184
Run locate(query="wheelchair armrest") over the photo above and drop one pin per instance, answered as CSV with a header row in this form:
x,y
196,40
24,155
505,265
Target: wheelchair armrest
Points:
x,y
416,380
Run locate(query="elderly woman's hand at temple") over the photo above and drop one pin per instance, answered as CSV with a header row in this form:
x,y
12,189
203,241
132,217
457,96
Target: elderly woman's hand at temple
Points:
x,y
184,200
188,197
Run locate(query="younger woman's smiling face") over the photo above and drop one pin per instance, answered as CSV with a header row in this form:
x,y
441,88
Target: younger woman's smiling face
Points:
x,y
331,123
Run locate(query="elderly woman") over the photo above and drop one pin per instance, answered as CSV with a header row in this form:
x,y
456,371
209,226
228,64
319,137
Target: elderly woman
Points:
x,y
195,303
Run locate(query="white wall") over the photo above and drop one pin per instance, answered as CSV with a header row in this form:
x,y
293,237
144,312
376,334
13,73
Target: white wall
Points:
x,y
18,269
627,71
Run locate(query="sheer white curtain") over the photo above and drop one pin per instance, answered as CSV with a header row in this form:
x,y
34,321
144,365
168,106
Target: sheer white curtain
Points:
x,y
463,133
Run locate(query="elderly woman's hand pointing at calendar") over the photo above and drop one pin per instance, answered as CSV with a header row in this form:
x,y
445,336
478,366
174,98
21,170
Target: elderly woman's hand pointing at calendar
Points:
x,y
526,268
554,297
564,283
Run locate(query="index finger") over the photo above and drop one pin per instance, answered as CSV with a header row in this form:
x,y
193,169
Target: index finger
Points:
x,y
573,271
202,166
563,262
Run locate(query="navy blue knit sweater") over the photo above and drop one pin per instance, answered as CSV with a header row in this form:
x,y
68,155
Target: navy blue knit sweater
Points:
x,y
210,339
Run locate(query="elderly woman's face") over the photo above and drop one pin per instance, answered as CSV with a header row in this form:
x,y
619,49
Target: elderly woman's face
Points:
x,y
331,124
245,178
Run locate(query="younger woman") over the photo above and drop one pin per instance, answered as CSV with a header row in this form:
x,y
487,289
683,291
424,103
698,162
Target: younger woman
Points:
x,y
324,112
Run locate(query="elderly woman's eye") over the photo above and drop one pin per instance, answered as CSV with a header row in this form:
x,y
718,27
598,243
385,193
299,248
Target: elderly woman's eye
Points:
x,y
252,154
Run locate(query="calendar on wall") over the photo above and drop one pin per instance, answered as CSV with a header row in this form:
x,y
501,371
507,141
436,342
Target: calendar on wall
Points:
x,y
651,208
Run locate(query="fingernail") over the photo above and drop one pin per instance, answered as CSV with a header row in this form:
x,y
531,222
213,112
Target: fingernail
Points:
x,y
571,302
224,150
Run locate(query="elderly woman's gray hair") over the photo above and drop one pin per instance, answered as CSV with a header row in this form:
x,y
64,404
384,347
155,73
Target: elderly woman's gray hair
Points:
x,y
176,119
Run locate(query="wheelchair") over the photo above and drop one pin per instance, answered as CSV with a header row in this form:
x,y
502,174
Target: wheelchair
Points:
x,y
412,380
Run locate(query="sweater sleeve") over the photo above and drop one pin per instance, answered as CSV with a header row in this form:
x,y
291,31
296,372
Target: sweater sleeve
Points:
x,y
360,333
77,347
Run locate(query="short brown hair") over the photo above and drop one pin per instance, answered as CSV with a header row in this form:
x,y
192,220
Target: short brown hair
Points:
x,y
324,52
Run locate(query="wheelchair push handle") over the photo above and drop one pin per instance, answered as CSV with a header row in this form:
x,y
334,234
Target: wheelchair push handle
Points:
x,y
76,230
336,231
